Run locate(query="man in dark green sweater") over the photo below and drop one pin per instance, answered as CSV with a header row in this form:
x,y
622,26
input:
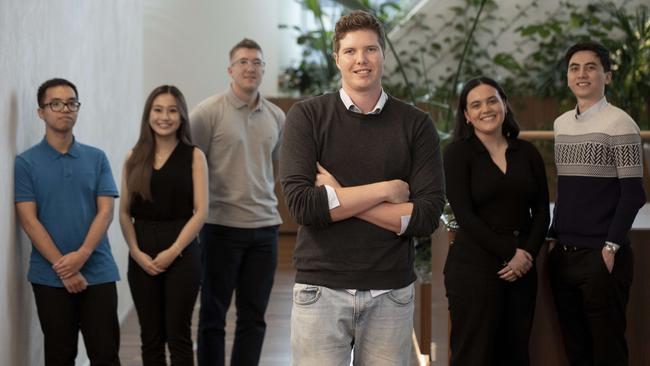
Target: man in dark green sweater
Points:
x,y
361,173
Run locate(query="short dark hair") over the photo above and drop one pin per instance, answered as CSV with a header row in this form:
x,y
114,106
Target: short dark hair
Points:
x,y
464,130
601,51
358,20
245,43
40,95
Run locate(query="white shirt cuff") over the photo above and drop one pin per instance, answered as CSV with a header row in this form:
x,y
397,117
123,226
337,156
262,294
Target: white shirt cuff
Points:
x,y
404,223
332,198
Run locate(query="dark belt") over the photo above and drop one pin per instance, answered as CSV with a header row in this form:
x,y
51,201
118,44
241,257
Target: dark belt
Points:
x,y
571,248
162,223
508,231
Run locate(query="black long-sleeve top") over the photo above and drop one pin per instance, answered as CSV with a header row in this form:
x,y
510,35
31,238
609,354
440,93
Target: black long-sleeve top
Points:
x,y
497,213
398,143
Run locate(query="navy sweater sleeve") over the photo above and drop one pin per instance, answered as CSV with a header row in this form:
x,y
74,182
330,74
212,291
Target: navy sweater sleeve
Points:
x,y
631,199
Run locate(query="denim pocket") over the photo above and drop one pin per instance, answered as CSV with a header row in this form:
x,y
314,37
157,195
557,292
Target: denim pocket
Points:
x,y
402,296
305,294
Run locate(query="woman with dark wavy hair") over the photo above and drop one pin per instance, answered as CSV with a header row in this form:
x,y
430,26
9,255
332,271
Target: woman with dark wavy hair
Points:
x,y
163,207
496,185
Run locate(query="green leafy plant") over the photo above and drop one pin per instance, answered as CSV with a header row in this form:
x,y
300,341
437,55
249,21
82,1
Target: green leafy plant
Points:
x,y
316,72
624,30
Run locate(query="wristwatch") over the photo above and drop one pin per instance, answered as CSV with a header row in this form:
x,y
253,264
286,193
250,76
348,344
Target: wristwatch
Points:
x,y
611,247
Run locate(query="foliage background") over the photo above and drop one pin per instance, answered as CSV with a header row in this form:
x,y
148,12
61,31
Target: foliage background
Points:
x,y
472,38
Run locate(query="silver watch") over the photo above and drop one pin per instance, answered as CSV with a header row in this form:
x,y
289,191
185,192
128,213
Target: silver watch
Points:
x,y
612,248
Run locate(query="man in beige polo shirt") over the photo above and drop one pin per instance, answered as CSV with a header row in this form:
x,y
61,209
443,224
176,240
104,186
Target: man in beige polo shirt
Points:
x,y
239,131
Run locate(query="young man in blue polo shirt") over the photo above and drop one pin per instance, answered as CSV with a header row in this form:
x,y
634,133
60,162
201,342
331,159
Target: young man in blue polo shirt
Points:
x,y
64,194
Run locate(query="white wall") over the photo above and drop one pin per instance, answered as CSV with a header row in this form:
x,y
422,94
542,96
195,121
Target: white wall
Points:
x,y
98,46
186,42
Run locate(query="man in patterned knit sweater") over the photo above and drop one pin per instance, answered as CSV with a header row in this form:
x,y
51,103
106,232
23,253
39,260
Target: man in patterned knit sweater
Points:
x,y
599,191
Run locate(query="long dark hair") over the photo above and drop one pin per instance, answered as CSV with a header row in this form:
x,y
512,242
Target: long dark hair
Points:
x,y
464,130
140,163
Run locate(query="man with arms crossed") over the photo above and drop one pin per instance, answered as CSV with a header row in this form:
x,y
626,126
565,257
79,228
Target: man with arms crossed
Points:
x,y
361,173
599,191
64,194
239,132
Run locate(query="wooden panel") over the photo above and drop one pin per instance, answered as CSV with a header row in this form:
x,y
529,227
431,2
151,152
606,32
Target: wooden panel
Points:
x,y
546,344
439,306
638,322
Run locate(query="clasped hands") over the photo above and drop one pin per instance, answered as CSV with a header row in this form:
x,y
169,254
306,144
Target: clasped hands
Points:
x,y
518,266
67,268
395,191
158,265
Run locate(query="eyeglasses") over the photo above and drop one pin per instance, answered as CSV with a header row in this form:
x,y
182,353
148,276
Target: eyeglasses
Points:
x,y
244,62
57,105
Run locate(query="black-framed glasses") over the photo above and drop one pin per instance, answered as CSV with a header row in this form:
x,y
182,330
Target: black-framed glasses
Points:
x,y
244,62
57,105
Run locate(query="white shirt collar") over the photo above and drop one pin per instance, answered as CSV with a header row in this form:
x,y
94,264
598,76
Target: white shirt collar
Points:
x,y
591,110
349,104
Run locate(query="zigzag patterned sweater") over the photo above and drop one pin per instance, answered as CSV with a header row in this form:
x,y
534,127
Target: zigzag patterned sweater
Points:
x,y
599,187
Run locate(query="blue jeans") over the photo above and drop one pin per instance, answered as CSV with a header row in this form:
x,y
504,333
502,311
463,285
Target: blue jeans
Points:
x,y
241,260
327,325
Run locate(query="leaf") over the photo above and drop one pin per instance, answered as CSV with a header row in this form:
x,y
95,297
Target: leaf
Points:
x,y
506,61
575,21
354,4
389,4
529,30
544,32
314,7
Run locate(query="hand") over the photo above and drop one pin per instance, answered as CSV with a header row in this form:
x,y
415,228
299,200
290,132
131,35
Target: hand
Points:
x,y
145,262
75,283
608,258
508,274
71,263
551,245
323,177
397,191
518,265
165,258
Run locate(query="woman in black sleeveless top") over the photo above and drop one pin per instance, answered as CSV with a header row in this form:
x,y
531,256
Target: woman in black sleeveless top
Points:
x,y
163,207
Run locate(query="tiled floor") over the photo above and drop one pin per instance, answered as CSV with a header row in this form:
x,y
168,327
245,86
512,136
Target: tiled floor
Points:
x,y
276,351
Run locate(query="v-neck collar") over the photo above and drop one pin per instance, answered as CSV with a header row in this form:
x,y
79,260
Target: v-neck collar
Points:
x,y
477,145
168,158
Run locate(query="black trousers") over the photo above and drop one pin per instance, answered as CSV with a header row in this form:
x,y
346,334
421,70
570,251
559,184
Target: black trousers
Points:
x,y
63,315
591,304
241,260
491,319
164,303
